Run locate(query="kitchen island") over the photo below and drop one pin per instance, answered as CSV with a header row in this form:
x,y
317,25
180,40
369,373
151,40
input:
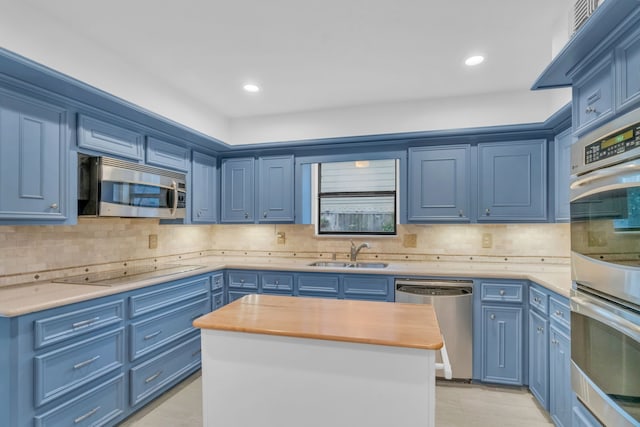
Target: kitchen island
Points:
x,y
286,361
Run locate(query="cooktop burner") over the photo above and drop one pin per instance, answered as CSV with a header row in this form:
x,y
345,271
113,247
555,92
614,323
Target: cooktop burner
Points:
x,y
126,275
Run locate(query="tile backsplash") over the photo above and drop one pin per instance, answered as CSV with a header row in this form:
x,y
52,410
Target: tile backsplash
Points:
x,y
94,241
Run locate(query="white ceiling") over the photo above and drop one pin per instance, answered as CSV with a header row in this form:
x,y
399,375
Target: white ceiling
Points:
x,y
311,55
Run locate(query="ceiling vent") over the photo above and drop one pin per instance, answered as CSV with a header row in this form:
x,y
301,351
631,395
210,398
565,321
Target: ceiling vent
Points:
x,y
582,11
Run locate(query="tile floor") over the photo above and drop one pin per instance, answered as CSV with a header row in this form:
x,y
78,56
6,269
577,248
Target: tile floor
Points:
x,y
457,405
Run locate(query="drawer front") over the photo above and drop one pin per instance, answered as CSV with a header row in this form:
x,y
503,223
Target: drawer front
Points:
x,y
154,332
593,97
164,154
154,300
217,281
538,300
242,280
97,407
505,292
60,371
217,300
318,285
277,282
367,287
53,329
105,137
559,312
149,377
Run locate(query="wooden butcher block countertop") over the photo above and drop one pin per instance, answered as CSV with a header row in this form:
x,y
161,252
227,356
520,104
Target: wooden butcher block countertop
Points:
x,y
368,322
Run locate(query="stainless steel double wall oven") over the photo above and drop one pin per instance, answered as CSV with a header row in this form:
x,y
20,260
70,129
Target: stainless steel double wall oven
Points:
x,y
605,256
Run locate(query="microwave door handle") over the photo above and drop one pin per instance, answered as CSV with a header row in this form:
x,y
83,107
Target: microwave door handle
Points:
x,y
606,173
174,208
589,309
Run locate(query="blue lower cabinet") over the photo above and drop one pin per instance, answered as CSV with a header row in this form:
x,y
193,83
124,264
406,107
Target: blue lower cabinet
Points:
x,y
234,295
217,300
318,285
539,358
560,392
98,406
502,344
280,283
371,287
158,373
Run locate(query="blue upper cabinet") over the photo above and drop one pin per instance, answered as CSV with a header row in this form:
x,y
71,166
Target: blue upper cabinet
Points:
x,y
512,184
204,181
165,154
593,95
107,138
439,184
562,173
34,160
275,189
237,190
628,54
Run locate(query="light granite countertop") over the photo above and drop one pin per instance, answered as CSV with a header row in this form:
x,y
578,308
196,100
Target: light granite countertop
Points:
x,y
31,297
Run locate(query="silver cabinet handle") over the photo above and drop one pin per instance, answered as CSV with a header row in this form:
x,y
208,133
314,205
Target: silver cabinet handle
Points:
x,y
590,109
84,323
460,213
487,212
86,362
502,292
559,313
54,206
264,214
81,418
152,377
246,215
493,316
153,335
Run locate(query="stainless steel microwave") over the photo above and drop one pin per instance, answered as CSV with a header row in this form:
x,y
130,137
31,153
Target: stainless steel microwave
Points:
x,y
112,187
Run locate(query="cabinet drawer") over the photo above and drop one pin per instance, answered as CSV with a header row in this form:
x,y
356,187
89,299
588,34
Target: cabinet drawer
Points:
x,y
277,282
96,407
217,281
164,154
559,312
538,300
154,300
68,368
154,332
108,138
506,292
217,300
318,285
238,279
366,287
53,329
151,376
593,96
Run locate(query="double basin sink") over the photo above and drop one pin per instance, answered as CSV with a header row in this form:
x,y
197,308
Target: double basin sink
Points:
x,y
338,264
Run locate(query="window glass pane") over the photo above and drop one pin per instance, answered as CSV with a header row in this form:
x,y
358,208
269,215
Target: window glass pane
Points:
x,y
357,214
366,175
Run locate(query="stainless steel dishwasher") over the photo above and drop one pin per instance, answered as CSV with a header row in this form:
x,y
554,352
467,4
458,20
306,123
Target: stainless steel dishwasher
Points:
x,y
453,304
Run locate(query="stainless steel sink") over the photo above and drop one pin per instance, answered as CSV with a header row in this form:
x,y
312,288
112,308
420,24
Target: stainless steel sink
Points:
x,y
337,264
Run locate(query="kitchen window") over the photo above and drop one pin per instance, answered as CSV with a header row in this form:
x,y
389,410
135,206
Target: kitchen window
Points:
x,y
357,197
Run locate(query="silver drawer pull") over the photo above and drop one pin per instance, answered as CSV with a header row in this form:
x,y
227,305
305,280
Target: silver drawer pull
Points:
x,y
84,323
81,418
153,335
153,377
492,317
197,352
196,316
559,313
590,109
86,362
502,292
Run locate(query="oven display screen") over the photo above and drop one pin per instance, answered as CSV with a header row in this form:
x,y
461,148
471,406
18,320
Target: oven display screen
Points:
x,y
613,145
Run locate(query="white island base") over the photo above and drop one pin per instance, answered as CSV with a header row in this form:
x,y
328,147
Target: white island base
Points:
x,y
253,380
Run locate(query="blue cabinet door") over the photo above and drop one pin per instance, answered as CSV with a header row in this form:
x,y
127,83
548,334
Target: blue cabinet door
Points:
x,y
539,358
439,184
238,204
94,134
628,54
502,344
512,181
165,154
275,189
560,392
593,96
563,171
204,180
33,160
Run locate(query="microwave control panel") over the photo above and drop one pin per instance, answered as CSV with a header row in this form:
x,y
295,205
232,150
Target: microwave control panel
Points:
x,y
612,145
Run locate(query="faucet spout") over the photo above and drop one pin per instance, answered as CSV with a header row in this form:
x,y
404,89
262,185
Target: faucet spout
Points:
x,y
356,250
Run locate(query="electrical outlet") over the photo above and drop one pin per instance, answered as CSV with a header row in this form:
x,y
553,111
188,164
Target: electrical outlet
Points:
x,y
487,240
153,241
410,240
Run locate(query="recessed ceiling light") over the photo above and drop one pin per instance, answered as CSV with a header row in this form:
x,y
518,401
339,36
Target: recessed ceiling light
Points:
x,y
474,60
249,87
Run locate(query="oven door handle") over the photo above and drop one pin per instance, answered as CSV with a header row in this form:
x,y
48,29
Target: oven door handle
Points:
x,y
587,308
606,173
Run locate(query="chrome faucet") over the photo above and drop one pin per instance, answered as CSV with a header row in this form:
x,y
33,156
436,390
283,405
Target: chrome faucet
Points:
x,y
355,251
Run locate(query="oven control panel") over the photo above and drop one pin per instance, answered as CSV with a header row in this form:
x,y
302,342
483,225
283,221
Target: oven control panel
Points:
x,y
618,143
